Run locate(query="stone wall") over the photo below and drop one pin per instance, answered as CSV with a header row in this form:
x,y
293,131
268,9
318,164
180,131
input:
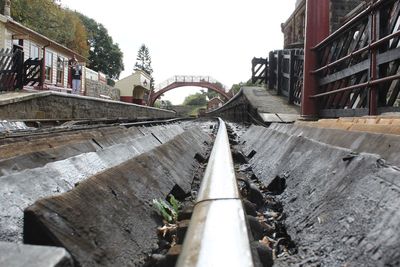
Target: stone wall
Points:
x,y
237,109
338,11
101,90
53,105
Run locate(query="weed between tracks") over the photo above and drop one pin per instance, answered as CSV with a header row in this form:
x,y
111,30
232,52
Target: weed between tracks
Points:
x,y
176,212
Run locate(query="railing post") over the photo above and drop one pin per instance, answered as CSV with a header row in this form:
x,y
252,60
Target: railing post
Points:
x,y
279,67
271,70
291,76
253,72
42,73
317,29
372,99
266,79
18,55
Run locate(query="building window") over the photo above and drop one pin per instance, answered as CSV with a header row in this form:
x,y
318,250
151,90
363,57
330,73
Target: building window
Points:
x,y
60,70
49,65
34,51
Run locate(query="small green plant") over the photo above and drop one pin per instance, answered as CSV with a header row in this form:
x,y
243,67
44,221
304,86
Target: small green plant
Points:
x,y
175,203
168,211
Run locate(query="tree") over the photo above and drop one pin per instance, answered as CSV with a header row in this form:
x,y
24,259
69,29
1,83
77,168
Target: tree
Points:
x,y
236,87
104,54
143,62
211,94
198,99
166,104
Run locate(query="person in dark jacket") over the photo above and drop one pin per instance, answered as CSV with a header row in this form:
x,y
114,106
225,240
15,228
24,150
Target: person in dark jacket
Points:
x,y
76,76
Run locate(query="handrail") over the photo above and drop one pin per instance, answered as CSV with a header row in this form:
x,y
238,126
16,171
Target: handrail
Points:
x,y
188,79
359,51
373,6
217,234
356,86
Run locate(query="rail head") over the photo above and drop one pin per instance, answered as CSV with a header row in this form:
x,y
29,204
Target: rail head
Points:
x,y
217,234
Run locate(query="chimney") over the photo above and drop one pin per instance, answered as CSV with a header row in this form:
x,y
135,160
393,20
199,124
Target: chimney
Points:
x,y
7,8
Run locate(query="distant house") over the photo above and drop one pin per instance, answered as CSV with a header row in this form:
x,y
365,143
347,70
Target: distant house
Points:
x,y
135,88
214,103
34,45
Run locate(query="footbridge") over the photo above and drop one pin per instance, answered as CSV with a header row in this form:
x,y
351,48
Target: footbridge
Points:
x,y
181,81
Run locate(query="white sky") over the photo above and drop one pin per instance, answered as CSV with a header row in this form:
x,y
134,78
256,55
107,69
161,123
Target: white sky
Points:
x,y
192,37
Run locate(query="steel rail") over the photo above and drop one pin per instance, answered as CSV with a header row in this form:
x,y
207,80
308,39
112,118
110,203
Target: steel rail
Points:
x,y
80,127
217,233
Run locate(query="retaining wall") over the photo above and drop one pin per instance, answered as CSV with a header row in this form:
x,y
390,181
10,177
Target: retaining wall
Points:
x,y
108,220
341,207
53,105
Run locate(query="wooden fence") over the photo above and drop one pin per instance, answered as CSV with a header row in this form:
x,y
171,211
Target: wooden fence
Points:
x,y
15,73
285,73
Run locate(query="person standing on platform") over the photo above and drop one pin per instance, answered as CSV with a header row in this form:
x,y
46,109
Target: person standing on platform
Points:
x,y
76,76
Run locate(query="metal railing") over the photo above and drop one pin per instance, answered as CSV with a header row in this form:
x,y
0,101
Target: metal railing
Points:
x,y
188,79
358,68
217,234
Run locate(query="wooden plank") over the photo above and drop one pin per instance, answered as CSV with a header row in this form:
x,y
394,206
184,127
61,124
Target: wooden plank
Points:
x,y
383,58
362,66
394,94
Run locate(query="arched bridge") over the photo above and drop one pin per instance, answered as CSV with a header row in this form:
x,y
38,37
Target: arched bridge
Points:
x,y
181,81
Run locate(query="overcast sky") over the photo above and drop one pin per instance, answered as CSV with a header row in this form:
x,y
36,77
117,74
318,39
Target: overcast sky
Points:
x,y
192,37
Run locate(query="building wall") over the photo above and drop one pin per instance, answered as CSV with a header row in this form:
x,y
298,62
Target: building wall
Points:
x,y
2,34
91,74
294,28
127,84
214,104
338,11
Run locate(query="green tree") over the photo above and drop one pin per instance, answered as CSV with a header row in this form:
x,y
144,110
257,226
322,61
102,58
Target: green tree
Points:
x,y
166,104
211,94
236,87
197,99
104,54
143,62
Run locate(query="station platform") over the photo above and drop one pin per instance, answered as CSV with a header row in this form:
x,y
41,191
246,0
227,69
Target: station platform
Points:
x,y
50,105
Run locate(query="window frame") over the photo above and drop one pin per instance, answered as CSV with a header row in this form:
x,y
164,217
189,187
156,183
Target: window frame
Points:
x,y
48,65
60,70
32,48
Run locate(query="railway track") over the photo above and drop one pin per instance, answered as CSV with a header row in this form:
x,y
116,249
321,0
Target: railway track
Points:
x,y
209,241
107,175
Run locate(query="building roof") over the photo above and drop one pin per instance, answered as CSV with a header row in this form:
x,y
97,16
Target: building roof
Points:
x,y
215,97
18,27
135,73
